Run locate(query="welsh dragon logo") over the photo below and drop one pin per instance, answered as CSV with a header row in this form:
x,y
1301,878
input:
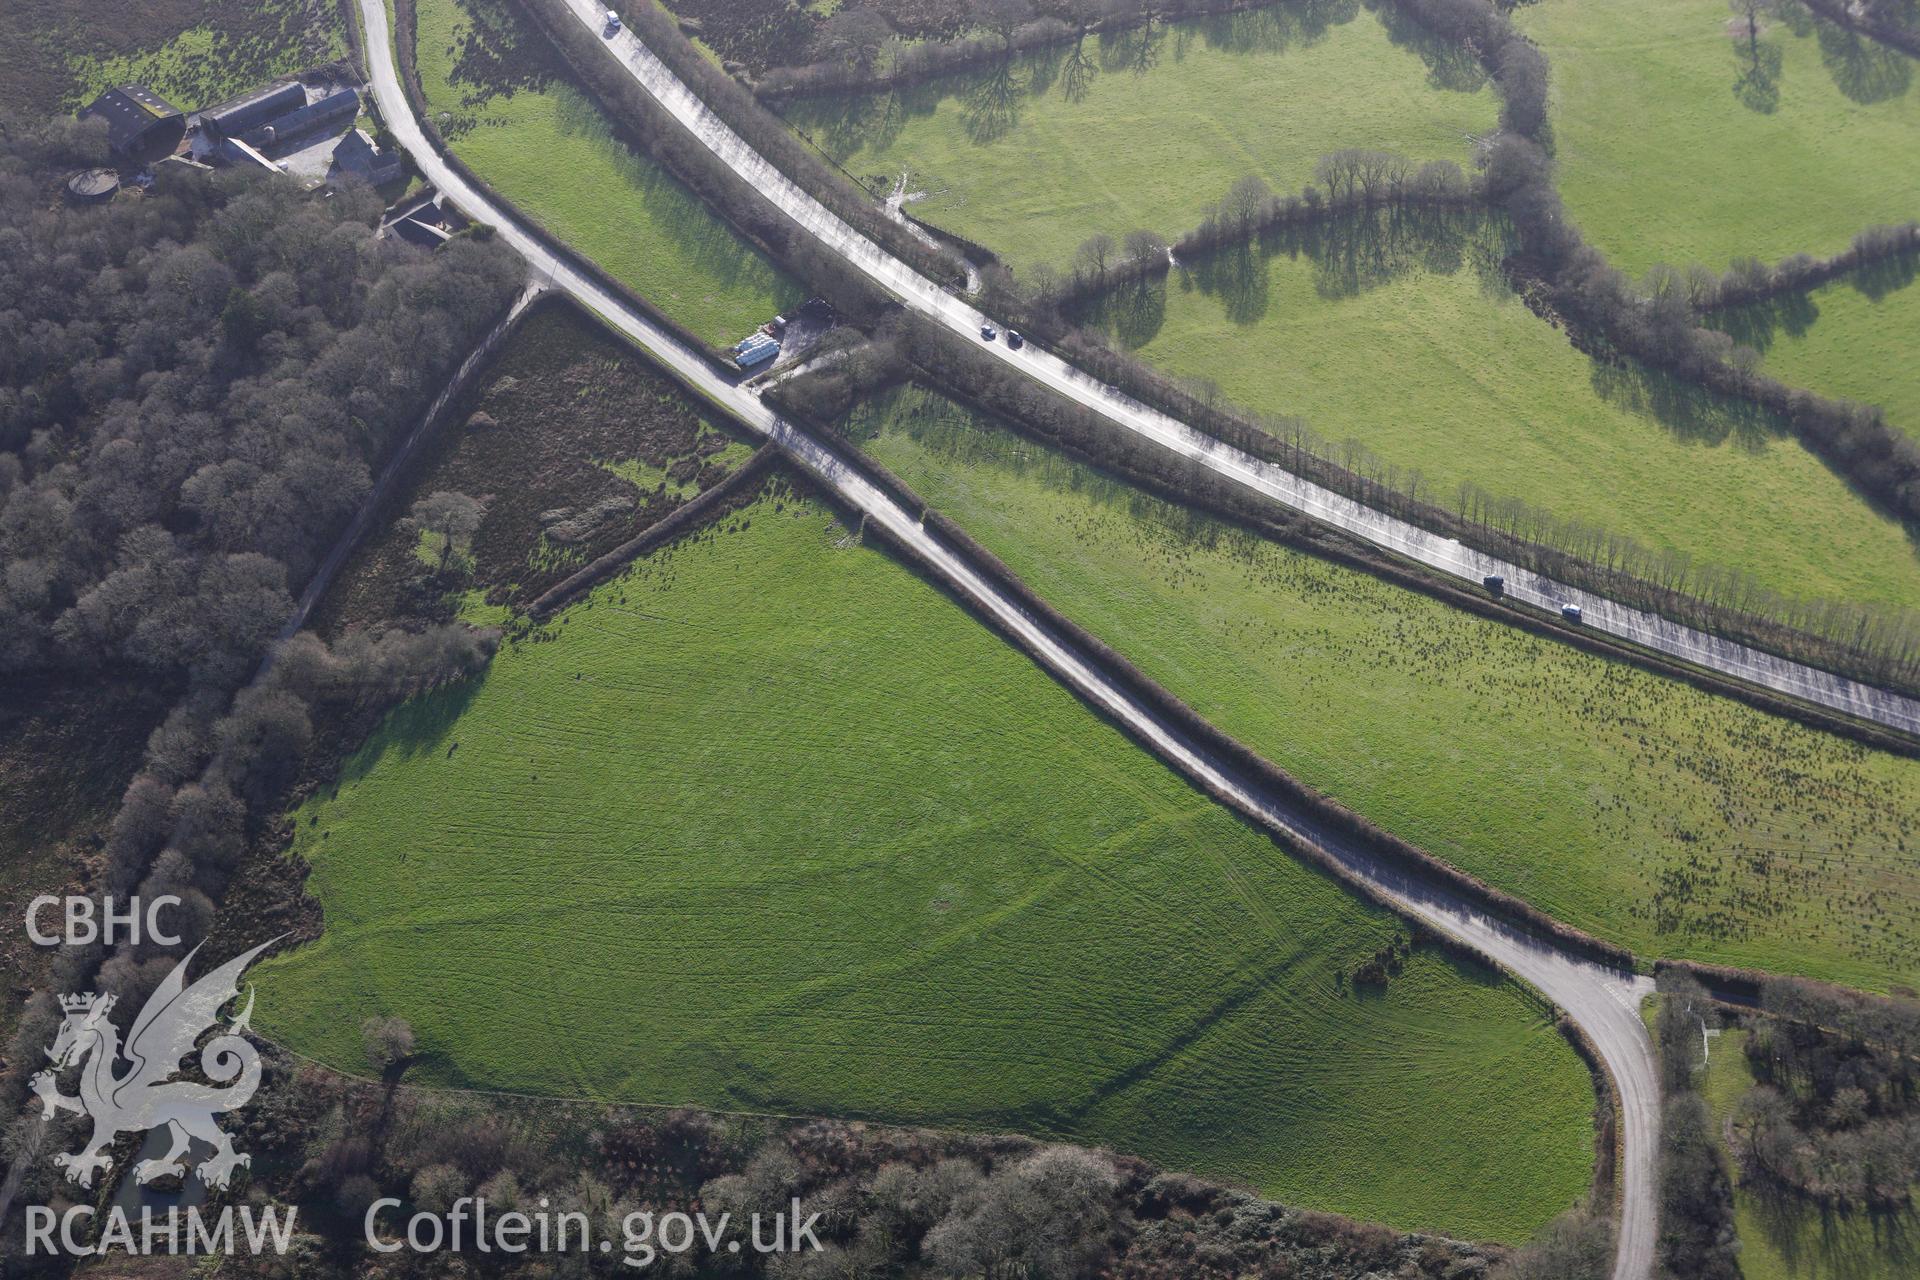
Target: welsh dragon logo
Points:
x,y
145,1095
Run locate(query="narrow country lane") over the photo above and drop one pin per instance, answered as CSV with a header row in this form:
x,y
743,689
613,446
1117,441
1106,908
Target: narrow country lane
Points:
x,y
1445,554
1603,1002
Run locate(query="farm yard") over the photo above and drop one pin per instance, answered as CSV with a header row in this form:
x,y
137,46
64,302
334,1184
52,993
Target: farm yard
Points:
x,y
1145,127
1853,337
507,105
1730,152
1644,811
770,825
1396,329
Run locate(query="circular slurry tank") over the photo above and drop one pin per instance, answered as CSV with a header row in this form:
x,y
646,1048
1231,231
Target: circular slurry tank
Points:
x,y
93,186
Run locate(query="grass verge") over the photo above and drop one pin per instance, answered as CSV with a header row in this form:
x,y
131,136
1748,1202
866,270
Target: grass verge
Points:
x,y
1396,329
508,106
1633,807
769,824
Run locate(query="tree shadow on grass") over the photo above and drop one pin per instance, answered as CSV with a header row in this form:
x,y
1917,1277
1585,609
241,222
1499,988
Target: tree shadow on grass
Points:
x,y
1834,1244
1889,275
698,236
1692,413
1133,312
421,726
1761,323
1865,70
1757,86
500,55
1451,64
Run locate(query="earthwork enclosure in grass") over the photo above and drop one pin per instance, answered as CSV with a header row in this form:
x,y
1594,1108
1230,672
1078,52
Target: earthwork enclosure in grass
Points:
x,y
1675,144
1145,127
1396,328
1634,807
771,824
1857,337
503,98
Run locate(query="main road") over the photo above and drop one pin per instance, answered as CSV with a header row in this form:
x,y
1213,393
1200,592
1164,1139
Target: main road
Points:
x,y
1603,1002
1444,554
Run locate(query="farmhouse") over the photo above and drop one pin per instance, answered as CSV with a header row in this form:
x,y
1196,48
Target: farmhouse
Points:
x,y
140,123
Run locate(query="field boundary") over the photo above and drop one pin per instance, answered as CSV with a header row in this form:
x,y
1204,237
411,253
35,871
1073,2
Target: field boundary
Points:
x,y
1108,450
681,520
405,35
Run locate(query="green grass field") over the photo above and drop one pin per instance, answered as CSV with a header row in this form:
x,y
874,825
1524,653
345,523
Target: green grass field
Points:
x,y
1032,157
504,100
1787,1239
770,824
1673,149
1855,337
1631,806
1399,332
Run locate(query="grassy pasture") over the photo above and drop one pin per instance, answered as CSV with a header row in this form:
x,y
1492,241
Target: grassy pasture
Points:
x,y
1856,337
1398,331
768,824
1631,806
508,106
1674,147
1789,1239
1141,128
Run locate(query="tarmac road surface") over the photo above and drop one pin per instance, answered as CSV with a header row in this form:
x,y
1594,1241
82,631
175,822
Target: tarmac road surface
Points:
x,y
1445,554
1603,1002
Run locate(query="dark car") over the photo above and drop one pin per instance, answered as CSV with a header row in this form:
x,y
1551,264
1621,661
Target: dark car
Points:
x,y
1494,583
988,332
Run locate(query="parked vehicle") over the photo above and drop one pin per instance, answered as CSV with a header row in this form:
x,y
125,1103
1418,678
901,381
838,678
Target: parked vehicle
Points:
x,y
1014,339
1495,583
613,22
988,332
1571,612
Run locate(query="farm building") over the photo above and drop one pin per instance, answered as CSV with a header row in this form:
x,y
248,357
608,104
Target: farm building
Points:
x,y
755,350
333,111
356,154
140,123
249,111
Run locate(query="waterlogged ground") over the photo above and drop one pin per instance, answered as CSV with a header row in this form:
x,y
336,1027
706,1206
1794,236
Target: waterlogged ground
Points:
x,y
1631,806
1398,330
769,824
1145,128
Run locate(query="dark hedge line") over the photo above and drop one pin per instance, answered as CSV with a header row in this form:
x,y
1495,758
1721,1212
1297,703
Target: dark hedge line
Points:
x,y
1750,280
919,62
1234,756
1905,39
736,107
734,491
405,16
1090,438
